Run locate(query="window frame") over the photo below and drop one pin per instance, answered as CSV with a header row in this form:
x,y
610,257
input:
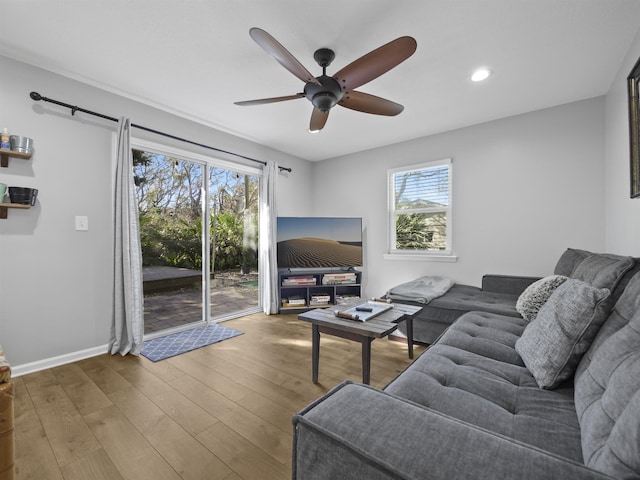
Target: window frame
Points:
x,y
431,255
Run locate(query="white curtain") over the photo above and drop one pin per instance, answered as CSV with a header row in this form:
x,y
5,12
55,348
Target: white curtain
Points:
x,y
268,267
127,328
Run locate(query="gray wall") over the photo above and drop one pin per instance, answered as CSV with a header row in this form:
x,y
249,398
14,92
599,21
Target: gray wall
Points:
x,y
55,282
524,189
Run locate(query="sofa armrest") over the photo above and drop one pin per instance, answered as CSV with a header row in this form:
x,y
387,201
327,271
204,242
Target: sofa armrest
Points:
x,y
356,432
509,284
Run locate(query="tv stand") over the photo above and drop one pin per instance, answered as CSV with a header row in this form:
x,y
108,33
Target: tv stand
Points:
x,y
300,291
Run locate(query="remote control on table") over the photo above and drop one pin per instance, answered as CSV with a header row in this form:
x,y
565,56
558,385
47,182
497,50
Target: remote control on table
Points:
x,y
364,309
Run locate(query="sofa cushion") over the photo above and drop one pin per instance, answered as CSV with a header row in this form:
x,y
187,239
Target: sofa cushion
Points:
x,y
624,309
474,374
441,312
608,402
537,294
552,345
603,270
465,298
569,260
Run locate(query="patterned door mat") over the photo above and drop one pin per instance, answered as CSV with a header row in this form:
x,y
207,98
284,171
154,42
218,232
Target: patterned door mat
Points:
x,y
177,343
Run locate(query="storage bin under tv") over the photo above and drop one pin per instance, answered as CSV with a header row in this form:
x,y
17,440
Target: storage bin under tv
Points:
x,y
319,290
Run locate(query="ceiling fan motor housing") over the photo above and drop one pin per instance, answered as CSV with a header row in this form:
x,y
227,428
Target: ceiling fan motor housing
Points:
x,y
324,96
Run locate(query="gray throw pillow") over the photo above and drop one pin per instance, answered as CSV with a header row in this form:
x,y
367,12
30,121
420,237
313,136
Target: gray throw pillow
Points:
x,y
551,346
536,295
603,270
569,260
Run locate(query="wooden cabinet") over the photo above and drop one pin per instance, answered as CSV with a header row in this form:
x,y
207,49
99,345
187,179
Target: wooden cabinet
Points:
x,y
302,291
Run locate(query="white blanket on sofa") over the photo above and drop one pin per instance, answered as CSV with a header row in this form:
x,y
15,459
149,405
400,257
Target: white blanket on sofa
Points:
x,y
422,290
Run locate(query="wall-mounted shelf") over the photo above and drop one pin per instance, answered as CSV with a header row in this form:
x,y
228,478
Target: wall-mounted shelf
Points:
x,y
5,154
4,208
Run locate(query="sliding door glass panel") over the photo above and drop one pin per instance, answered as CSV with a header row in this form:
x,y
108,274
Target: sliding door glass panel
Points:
x,y
233,243
169,193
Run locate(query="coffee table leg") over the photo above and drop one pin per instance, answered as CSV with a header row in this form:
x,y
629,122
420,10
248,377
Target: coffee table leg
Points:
x,y
366,359
315,352
410,336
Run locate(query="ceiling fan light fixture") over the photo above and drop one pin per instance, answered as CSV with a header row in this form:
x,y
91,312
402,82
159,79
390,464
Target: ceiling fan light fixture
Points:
x,y
324,101
481,74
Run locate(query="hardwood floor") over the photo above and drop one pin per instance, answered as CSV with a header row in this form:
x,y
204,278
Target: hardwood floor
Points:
x,y
219,412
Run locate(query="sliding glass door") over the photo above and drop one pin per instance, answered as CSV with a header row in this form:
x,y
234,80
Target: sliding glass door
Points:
x,y
233,213
199,239
169,193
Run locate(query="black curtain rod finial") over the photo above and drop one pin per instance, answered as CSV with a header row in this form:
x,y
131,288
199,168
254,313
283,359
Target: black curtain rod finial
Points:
x,y
35,96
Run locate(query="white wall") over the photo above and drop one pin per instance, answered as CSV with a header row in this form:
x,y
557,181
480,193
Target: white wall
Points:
x,y
55,283
622,212
524,189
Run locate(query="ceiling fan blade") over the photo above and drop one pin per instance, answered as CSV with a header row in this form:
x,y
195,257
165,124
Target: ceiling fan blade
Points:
x,y
364,102
282,55
375,63
262,101
318,120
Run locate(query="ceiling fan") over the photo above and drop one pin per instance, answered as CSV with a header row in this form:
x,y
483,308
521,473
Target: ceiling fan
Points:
x,y
325,92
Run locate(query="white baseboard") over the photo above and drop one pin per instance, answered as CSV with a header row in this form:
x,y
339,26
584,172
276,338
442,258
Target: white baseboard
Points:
x,y
57,361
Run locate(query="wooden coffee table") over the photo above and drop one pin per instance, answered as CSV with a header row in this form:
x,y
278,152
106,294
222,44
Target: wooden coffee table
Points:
x,y
323,320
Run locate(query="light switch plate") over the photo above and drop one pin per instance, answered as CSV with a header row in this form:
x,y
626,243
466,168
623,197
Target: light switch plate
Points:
x,y
82,223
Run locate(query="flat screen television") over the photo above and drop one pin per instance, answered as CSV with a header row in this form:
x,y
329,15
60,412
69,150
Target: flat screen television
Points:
x,y
319,242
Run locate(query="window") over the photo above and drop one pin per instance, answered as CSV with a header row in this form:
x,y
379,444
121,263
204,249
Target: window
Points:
x,y
420,209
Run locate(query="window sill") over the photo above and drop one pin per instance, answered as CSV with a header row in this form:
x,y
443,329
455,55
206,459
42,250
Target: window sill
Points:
x,y
420,258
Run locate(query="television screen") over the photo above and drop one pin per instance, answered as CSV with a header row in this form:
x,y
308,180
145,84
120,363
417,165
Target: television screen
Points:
x,y
319,242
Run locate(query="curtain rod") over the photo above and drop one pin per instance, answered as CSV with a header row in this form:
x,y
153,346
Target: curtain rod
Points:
x,y
37,97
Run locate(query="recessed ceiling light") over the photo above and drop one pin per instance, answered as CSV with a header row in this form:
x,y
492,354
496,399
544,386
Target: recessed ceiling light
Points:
x,y
480,74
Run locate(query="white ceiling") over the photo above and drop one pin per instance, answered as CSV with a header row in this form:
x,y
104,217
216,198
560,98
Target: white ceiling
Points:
x,y
195,58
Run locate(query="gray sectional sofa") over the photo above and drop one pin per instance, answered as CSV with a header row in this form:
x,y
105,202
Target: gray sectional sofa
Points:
x,y
498,396
498,294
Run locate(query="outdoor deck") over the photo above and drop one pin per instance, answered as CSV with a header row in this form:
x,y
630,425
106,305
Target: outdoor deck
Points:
x,y
173,296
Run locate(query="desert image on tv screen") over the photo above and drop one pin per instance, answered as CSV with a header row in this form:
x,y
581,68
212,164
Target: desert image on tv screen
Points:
x,y
319,242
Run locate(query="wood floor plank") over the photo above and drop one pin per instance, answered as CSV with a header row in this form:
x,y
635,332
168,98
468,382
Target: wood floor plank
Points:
x,y
34,458
249,461
99,370
130,452
242,373
178,446
183,410
234,476
208,374
139,409
67,432
261,433
268,410
96,466
187,455
163,370
83,392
